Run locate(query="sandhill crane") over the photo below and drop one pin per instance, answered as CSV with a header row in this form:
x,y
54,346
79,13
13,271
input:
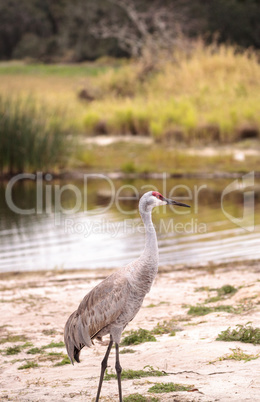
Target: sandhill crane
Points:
x,y
109,306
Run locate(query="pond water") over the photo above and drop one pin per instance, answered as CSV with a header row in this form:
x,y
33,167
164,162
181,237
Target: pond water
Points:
x,y
95,223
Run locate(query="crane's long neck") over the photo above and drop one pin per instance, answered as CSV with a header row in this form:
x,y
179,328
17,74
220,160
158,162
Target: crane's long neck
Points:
x,y
142,271
150,252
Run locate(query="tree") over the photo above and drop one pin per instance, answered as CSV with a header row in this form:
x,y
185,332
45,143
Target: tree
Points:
x,y
234,21
50,30
137,25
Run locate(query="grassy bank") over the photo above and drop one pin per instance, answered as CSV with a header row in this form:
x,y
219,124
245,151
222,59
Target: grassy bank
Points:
x,y
138,158
48,70
209,96
213,94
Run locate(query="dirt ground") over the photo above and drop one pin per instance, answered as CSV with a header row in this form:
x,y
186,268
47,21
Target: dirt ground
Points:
x,y
36,306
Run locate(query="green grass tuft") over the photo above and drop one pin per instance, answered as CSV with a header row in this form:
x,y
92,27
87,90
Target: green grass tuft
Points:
x,y
54,345
49,332
133,374
52,356
227,309
127,350
13,350
222,293
238,355
56,354
169,387
34,351
13,339
29,364
27,345
246,334
64,361
199,310
139,398
226,290
166,327
213,299
139,336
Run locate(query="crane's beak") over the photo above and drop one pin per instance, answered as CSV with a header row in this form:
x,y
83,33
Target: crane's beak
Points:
x,y
172,202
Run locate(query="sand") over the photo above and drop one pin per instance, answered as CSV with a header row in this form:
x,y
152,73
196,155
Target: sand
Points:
x,y
37,305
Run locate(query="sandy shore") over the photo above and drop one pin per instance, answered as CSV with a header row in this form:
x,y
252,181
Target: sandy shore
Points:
x,y
36,307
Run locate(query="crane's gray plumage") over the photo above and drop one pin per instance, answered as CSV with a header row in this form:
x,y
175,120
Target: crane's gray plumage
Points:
x,y
114,302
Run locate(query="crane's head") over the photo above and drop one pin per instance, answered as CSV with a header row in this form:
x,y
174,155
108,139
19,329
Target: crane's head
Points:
x,y
153,199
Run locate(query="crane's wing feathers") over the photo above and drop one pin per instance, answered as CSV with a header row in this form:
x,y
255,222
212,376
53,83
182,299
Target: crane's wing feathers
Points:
x,y
99,308
102,305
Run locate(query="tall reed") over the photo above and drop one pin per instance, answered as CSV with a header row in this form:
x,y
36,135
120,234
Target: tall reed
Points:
x,y
32,136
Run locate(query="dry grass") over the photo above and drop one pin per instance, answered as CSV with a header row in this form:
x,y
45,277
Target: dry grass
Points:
x,y
212,94
237,354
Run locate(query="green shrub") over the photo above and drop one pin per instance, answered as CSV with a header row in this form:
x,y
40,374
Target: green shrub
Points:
x,y
91,121
128,167
243,333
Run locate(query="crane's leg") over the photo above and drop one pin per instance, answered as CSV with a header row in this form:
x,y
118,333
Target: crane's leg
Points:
x,y
118,372
103,368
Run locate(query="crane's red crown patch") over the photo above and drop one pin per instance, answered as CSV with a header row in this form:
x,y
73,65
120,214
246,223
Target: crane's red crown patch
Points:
x,y
157,195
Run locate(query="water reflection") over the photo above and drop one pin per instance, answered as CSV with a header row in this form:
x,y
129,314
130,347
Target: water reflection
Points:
x,y
111,238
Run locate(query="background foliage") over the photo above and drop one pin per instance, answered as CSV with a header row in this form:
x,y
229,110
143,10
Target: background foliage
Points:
x,y
88,29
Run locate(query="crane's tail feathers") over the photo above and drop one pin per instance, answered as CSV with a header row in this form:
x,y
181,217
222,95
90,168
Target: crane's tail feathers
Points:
x,y
76,336
83,330
76,355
